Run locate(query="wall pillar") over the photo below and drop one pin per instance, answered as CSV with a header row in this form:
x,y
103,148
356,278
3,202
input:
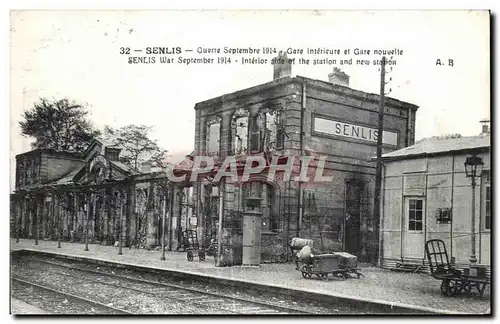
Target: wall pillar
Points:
x,y
131,215
225,134
176,230
252,221
202,135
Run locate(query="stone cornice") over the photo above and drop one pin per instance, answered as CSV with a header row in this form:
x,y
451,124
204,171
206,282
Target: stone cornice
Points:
x,y
343,91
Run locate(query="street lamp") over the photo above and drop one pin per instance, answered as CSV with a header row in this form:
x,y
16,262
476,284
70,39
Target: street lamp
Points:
x,y
473,169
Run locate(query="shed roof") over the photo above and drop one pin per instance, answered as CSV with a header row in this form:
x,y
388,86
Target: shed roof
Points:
x,y
439,146
68,178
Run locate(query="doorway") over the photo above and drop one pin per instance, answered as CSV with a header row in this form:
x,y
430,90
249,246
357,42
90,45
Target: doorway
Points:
x,y
414,225
352,216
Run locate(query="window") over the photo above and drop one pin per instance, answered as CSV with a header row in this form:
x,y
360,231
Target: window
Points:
x,y
273,134
240,130
213,136
255,133
280,132
415,214
487,200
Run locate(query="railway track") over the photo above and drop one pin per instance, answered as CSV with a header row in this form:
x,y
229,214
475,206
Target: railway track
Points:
x,y
65,303
201,299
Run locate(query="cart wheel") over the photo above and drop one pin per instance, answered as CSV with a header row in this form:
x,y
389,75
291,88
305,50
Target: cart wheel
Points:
x,y
448,287
190,256
306,272
345,275
467,287
201,256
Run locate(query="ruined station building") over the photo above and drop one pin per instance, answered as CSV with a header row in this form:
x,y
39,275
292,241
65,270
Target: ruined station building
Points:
x,y
298,116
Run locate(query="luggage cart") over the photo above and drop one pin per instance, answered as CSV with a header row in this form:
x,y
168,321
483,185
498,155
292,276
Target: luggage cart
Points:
x,y
192,246
324,264
453,281
339,264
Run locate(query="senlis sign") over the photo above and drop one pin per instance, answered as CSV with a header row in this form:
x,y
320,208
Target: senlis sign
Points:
x,y
332,127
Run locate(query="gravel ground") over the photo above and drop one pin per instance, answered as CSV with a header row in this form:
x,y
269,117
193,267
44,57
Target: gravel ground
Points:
x,y
57,304
168,302
121,298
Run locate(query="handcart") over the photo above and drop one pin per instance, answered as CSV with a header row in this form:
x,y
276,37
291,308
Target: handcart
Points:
x,y
192,246
453,281
339,264
324,264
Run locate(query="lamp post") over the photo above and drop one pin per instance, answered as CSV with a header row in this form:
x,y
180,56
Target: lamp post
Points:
x,y
473,169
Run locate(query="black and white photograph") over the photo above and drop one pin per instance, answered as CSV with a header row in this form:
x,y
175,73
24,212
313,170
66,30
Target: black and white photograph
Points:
x,y
273,163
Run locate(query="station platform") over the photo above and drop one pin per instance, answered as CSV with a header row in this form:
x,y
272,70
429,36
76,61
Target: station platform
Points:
x,y
416,291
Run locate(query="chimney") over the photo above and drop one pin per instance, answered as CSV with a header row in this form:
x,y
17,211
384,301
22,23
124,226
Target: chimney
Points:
x,y
282,66
338,77
485,130
112,153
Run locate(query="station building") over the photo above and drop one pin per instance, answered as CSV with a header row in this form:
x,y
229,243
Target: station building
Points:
x,y
427,195
294,117
95,197
95,194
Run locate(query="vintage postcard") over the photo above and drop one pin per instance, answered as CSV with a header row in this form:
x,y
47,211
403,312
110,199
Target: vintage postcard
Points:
x,y
250,162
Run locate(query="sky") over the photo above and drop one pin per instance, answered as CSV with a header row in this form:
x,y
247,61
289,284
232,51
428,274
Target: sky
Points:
x,y
76,54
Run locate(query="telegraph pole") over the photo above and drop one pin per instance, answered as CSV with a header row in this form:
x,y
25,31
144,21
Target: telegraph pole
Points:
x,y
378,175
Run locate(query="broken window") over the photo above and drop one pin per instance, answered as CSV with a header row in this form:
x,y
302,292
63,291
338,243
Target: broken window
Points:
x,y
213,136
239,129
267,131
273,136
257,132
